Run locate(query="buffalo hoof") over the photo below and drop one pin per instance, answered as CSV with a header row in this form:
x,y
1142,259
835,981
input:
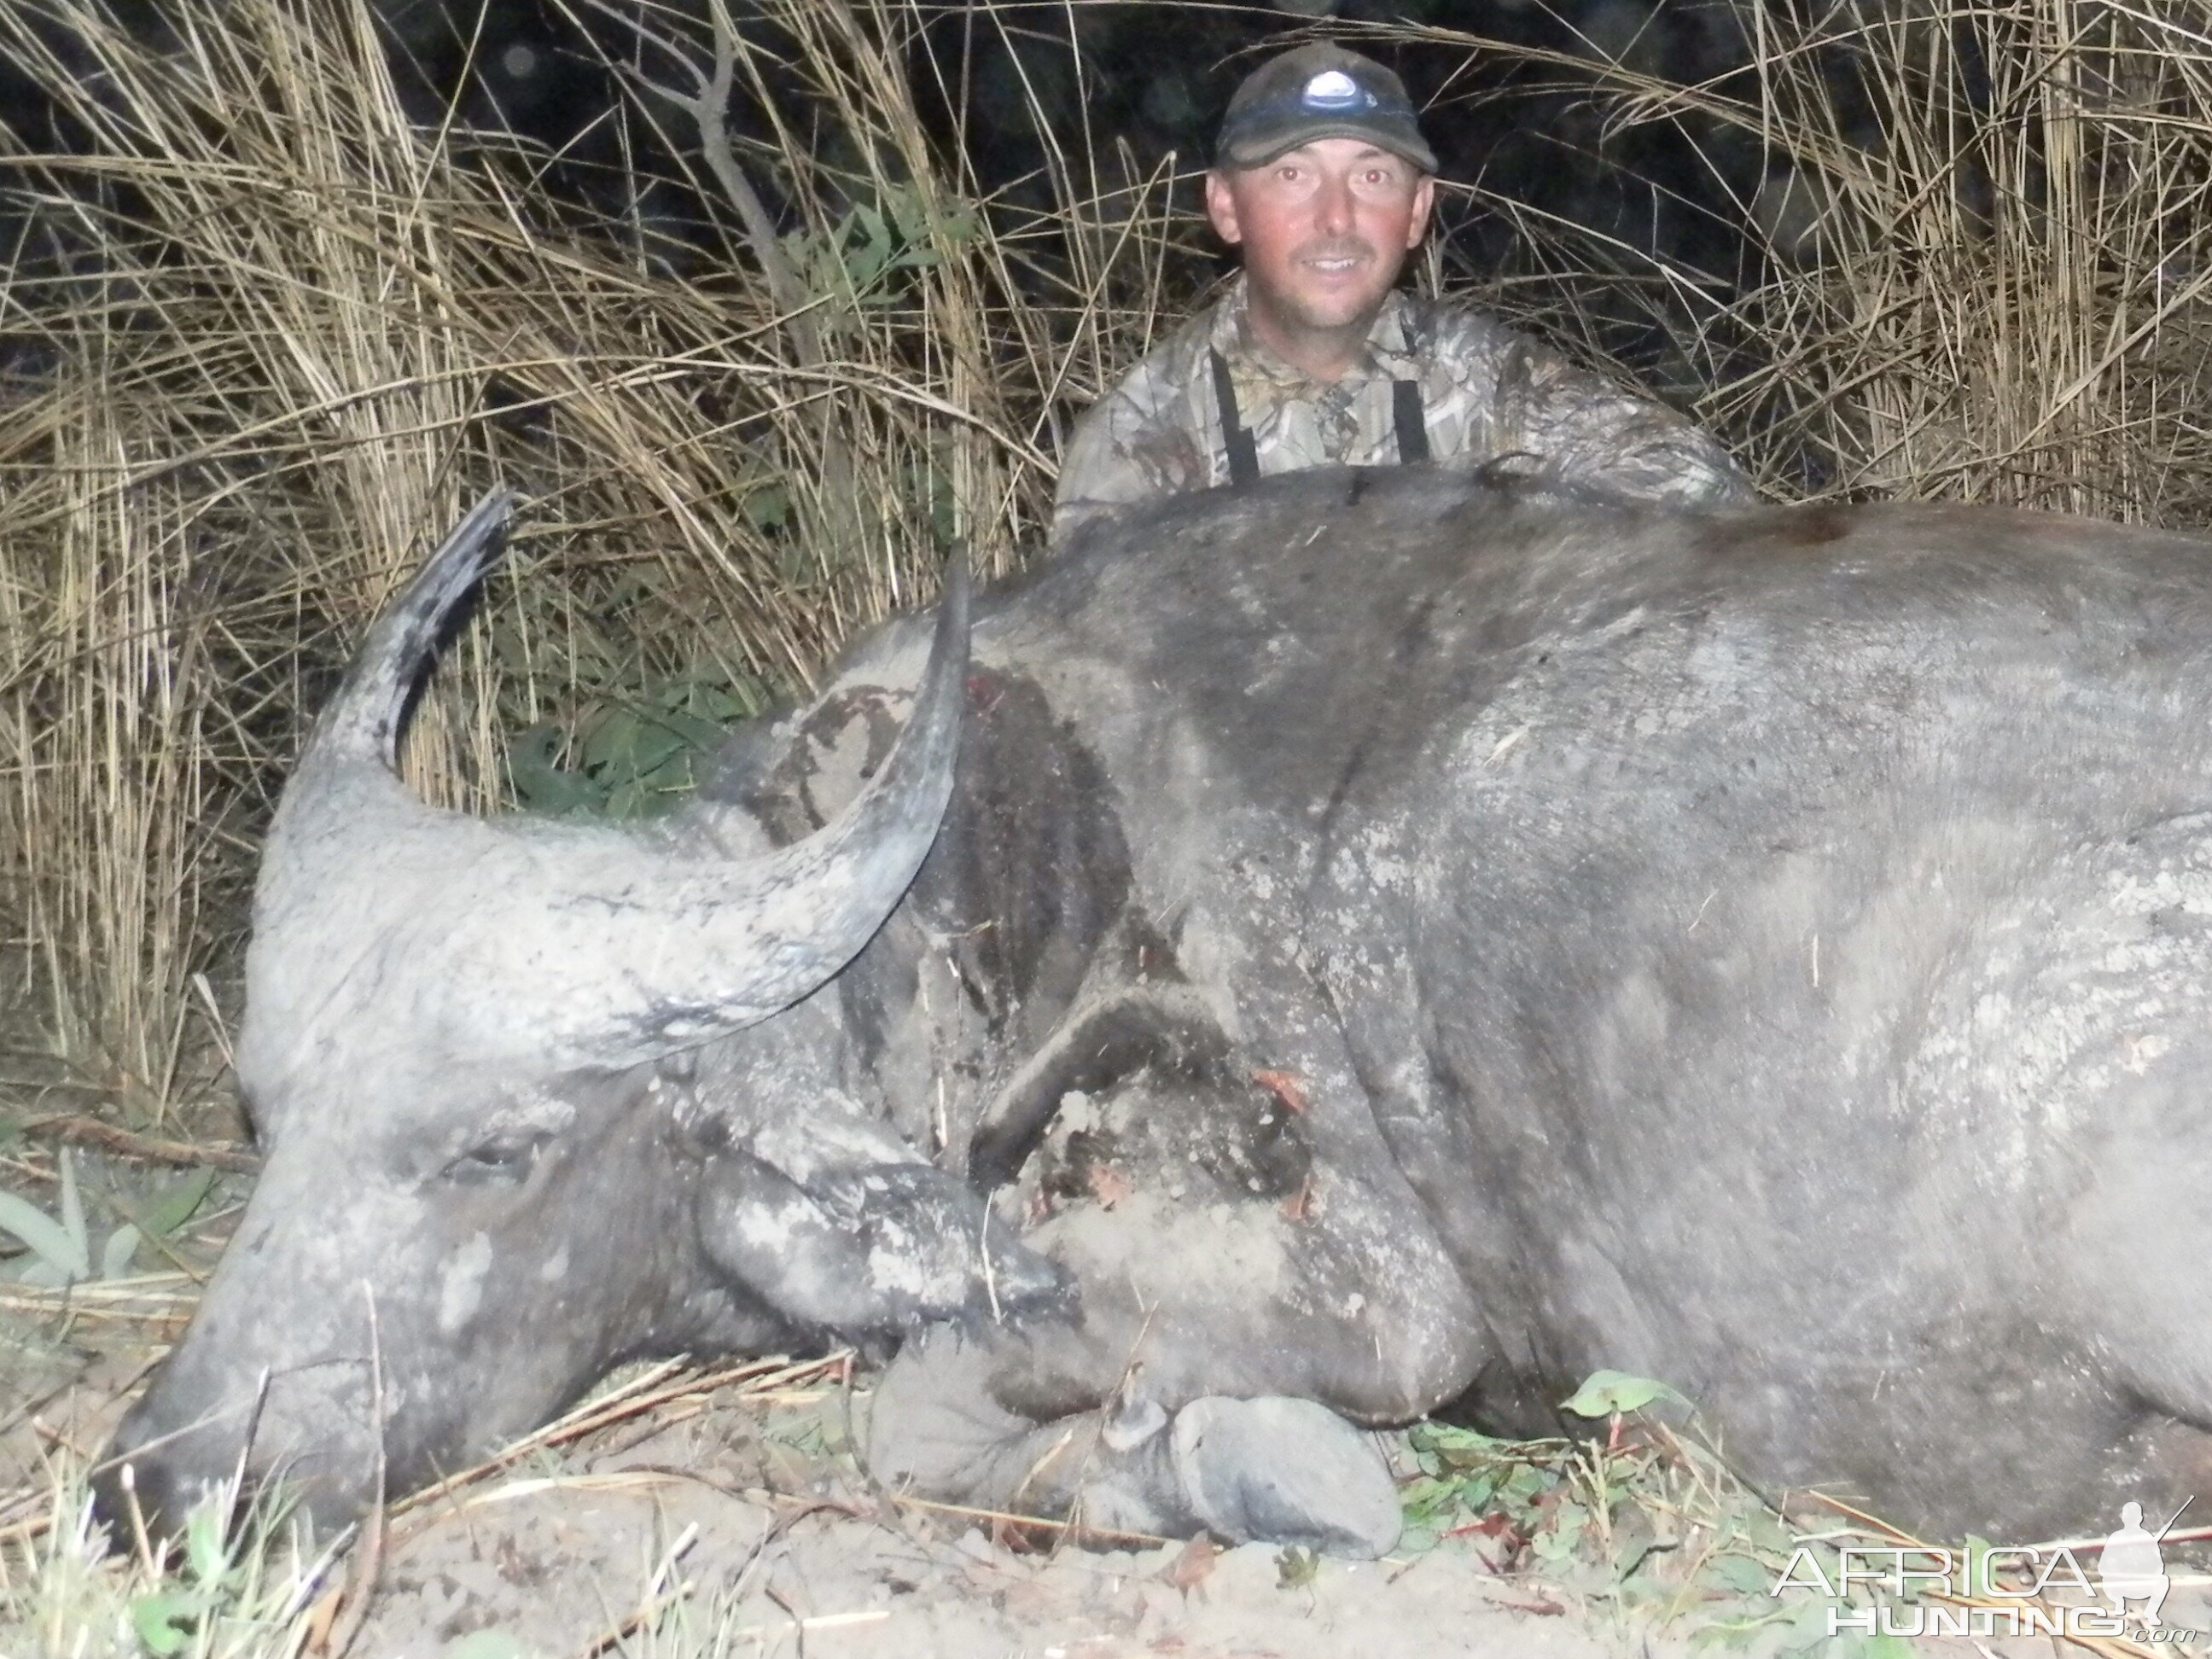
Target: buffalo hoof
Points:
x,y
1284,1470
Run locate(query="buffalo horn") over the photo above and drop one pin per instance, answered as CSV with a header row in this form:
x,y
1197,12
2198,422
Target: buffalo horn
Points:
x,y
570,942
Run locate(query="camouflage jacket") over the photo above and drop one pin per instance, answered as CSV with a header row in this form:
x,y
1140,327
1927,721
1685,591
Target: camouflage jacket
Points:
x,y
1485,391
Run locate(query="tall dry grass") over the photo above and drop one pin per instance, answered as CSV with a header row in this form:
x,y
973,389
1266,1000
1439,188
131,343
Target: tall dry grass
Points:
x,y
1977,249
278,334
269,332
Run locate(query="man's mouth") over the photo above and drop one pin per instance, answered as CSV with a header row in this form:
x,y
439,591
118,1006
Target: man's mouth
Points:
x,y
1338,262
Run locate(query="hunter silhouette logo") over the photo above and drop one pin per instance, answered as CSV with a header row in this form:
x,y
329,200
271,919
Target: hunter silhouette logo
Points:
x,y
2133,1569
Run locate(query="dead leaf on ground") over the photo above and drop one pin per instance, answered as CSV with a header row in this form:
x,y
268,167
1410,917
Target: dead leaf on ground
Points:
x,y
1285,1088
1544,1609
1192,1565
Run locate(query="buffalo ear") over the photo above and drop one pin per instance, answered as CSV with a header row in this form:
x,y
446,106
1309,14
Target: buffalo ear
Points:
x,y
1111,1037
867,1248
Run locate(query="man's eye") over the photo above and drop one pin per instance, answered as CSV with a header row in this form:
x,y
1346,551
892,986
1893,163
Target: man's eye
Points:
x,y
502,1161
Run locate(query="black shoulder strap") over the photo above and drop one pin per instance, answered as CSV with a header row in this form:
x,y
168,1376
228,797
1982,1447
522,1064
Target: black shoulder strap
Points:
x,y
1243,453
1412,426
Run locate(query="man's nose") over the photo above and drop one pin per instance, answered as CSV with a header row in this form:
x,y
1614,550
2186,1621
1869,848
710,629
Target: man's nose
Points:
x,y
1333,213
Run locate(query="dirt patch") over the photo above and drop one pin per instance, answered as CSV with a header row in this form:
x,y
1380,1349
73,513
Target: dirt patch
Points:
x,y
559,1570
748,1525
690,1513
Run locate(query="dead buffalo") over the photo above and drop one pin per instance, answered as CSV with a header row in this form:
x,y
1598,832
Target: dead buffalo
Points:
x,y
1391,935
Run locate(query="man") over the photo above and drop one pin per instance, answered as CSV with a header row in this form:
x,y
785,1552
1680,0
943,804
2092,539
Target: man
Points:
x,y
1323,182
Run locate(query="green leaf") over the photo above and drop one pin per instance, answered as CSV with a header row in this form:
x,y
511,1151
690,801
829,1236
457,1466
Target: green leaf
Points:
x,y
1978,1555
163,1621
73,1210
543,785
769,508
1295,1567
115,1257
487,1645
1557,1541
204,1551
1739,1573
178,1202
1613,1394
1428,1500
690,729
48,1238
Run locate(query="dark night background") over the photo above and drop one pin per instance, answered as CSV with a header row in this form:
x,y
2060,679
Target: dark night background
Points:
x,y
1145,80
1153,77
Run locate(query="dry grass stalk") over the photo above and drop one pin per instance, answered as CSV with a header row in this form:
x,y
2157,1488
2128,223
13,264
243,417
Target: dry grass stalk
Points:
x,y
1979,255
76,1131
650,1391
284,333
157,1305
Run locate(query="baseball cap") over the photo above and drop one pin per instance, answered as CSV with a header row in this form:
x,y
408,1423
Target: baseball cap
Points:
x,y
1318,91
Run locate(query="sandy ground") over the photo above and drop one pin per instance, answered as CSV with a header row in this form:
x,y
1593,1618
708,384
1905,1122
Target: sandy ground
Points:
x,y
730,1517
731,1522
823,1567
555,1570
751,1516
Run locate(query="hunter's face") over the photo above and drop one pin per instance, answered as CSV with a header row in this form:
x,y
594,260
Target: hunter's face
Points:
x,y
1324,229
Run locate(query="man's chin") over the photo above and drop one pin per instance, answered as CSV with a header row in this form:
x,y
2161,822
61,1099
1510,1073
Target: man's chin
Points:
x,y
1331,310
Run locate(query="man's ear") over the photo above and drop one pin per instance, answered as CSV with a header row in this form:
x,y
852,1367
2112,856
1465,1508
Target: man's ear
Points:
x,y
1425,198
1221,208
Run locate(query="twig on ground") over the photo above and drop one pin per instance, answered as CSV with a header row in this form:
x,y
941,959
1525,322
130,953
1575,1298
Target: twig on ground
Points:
x,y
1070,1529
79,1131
641,1394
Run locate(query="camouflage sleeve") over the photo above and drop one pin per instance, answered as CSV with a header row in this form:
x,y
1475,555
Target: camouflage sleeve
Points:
x,y
1154,434
1100,471
1583,429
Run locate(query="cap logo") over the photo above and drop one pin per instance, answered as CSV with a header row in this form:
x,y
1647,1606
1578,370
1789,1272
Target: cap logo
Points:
x,y
1332,92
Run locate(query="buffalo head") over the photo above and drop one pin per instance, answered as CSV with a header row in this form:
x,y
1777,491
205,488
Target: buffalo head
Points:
x,y
535,1095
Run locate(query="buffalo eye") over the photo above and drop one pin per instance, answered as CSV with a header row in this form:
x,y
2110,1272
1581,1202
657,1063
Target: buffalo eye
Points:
x,y
502,1161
